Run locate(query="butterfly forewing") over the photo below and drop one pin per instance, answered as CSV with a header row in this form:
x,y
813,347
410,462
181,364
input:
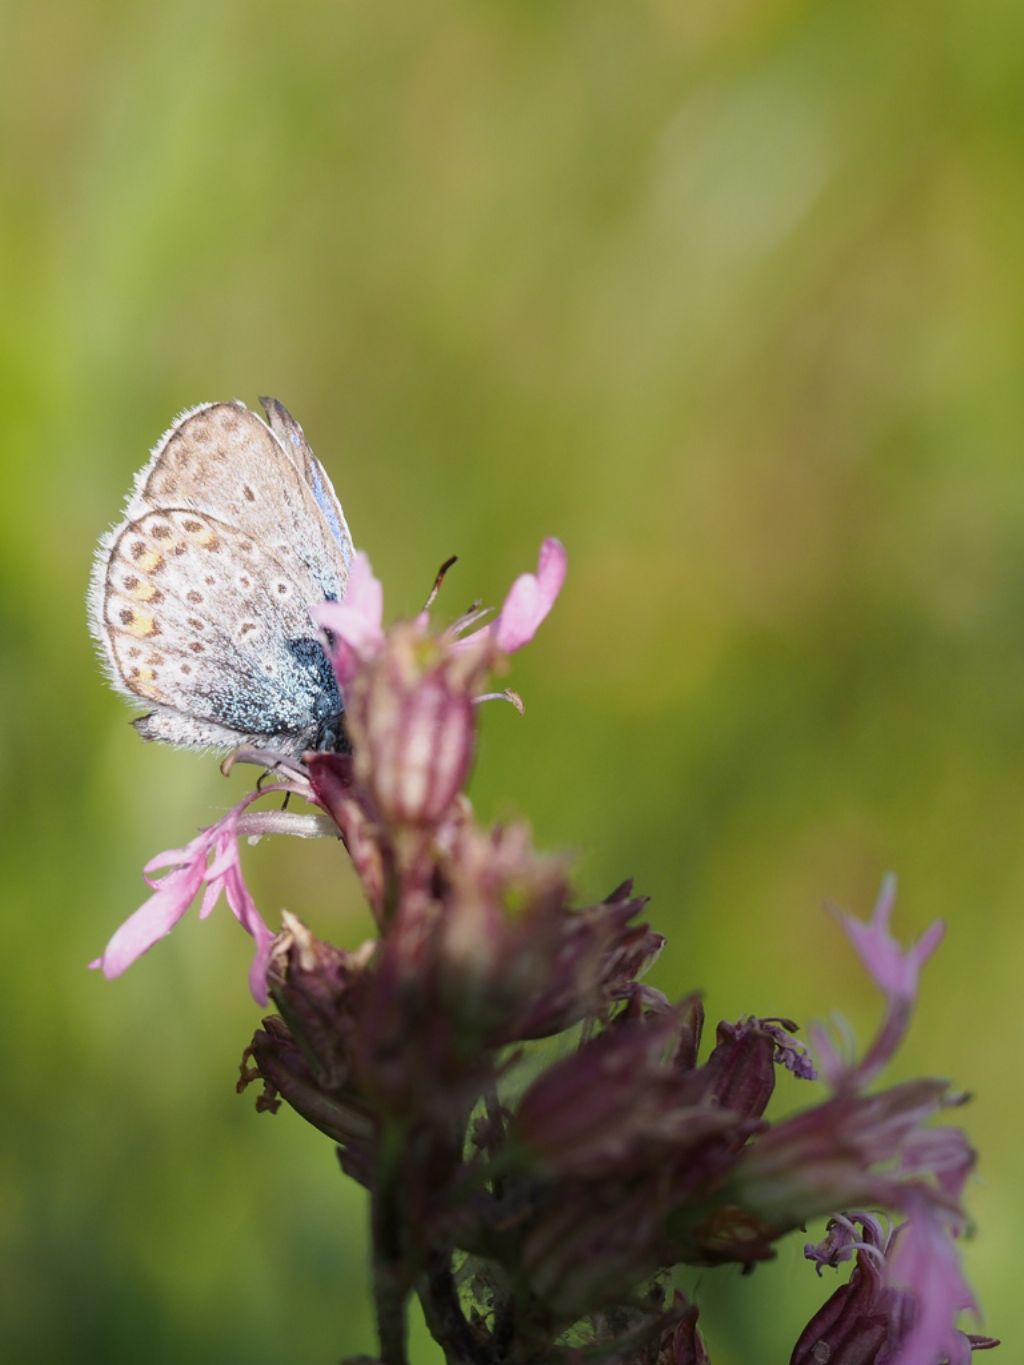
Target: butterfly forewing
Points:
x,y
222,459
293,439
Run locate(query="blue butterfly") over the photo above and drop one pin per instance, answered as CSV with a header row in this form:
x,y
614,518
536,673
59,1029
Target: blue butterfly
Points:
x,y
199,599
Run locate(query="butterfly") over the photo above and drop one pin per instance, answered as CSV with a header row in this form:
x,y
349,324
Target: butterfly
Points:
x,y
199,598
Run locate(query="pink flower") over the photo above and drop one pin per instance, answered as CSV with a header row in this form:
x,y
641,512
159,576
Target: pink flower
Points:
x,y
893,968
192,869
354,628
923,1262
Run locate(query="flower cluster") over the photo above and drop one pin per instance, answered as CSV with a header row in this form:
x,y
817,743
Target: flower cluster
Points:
x,y
536,1196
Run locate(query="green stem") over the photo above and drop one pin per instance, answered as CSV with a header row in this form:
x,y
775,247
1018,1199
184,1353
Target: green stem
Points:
x,y
390,1290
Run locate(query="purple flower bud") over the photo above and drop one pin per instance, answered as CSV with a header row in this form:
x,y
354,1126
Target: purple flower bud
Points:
x,y
412,724
682,1344
315,986
515,961
901,1303
742,1066
280,1063
307,1056
618,1104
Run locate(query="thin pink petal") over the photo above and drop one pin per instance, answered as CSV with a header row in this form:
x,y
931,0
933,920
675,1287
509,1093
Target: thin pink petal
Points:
x,y
176,857
151,922
531,598
258,970
224,860
355,622
348,624
210,898
365,592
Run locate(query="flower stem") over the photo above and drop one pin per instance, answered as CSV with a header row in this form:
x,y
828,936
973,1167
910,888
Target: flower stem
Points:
x,y
445,1318
389,1280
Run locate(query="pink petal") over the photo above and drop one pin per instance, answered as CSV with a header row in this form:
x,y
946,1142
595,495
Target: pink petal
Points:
x,y
258,970
924,1261
530,598
210,898
151,922
356,621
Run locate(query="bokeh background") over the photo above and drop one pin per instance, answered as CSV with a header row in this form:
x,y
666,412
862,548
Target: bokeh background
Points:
x,y
730,296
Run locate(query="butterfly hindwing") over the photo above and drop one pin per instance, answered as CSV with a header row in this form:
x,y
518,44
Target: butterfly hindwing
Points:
x,y
200,618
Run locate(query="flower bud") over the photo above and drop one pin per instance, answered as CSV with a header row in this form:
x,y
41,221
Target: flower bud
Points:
x,y
411,718
312,984
682,1343
274,1057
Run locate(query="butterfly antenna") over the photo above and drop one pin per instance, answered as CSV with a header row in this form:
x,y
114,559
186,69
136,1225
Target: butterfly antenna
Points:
x,y
438,581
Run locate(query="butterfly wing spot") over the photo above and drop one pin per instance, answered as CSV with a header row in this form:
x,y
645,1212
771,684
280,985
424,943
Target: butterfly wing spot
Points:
x,y
140,590
197,623
200,533
147,559
248,494
194,597
141,624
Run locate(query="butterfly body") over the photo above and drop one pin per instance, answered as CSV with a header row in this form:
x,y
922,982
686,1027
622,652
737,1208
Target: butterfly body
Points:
x,y
199,599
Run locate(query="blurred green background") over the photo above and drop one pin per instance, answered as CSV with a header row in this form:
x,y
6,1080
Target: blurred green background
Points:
x,y
730,296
